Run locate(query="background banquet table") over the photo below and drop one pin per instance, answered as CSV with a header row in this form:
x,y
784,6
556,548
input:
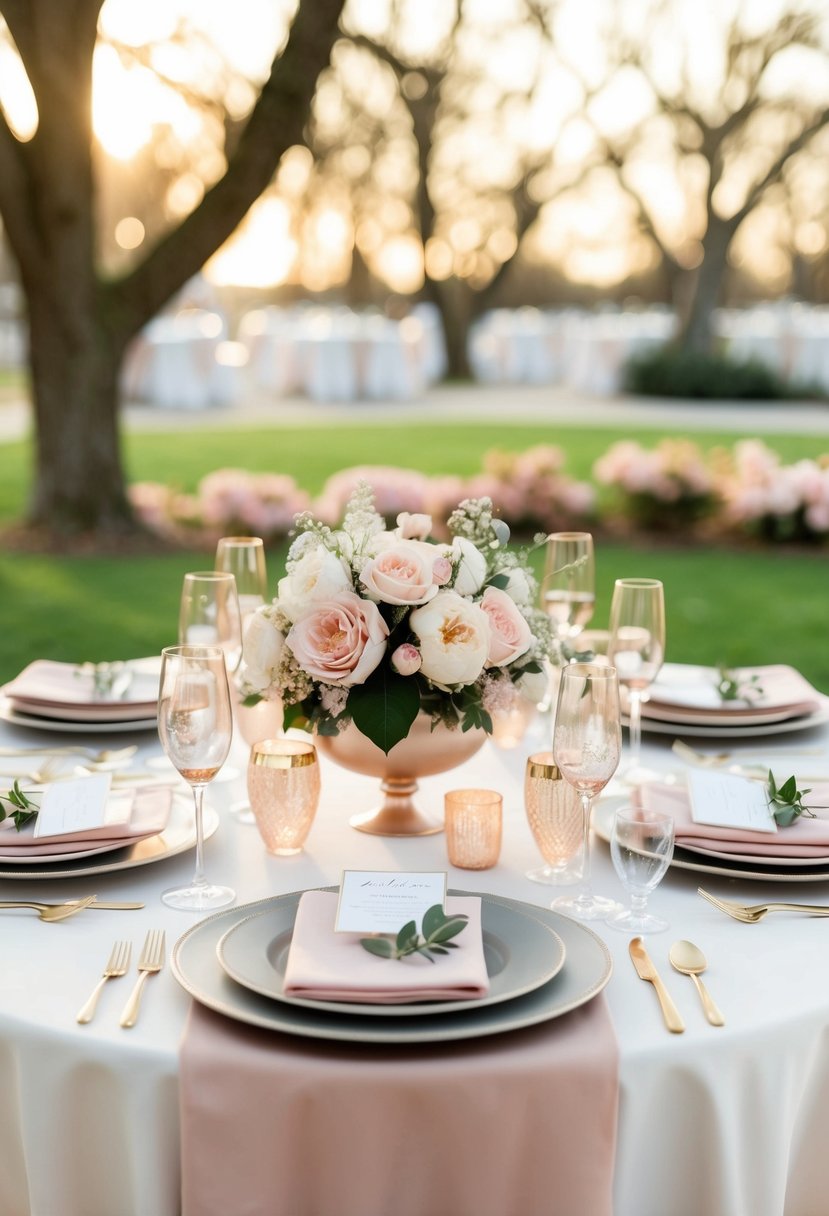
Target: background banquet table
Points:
x,y
722,1121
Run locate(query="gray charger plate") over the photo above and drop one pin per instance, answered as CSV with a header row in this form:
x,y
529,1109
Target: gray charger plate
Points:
x,y
521,954
194,965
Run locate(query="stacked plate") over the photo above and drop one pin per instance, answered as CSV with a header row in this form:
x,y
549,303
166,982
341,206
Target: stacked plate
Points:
x,y
540,966
54,696
684,700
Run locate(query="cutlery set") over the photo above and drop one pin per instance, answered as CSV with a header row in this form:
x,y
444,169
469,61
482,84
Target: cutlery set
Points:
x,y
150,962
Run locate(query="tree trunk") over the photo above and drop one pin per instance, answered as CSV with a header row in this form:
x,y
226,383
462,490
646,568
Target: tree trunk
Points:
x,y
79,477
697,334
453,298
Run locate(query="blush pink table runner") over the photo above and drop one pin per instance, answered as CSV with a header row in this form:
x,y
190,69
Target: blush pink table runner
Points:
x,y
521,1124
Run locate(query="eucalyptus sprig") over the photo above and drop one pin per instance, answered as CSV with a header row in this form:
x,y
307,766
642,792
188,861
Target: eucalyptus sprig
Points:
x,y
23,809
786,801
733,687
438,929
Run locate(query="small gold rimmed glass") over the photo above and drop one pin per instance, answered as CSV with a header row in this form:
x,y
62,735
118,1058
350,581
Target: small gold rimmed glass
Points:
x,y
195,729
284,789
554,813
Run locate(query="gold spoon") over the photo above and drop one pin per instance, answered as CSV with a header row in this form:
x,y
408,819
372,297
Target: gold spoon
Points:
x,y
688,959
53,912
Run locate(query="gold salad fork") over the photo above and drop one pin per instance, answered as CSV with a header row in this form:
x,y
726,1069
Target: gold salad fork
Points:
x,y
51,912
117,965
750,914
151,961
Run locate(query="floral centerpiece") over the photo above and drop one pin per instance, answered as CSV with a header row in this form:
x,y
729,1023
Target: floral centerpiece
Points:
x,y
373,626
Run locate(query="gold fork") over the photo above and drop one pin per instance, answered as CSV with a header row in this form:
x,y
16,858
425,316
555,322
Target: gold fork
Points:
x,y
51,912
151,961
119,961
751,913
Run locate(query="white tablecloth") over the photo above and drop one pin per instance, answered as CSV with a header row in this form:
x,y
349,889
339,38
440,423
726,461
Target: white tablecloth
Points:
x,y
726,1122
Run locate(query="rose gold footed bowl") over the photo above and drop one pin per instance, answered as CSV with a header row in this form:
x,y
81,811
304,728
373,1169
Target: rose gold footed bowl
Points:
x,y
422,753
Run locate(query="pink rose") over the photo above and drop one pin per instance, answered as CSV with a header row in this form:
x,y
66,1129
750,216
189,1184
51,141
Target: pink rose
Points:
x,y
509,633
413,526
401,574
340,640
406,659
441,571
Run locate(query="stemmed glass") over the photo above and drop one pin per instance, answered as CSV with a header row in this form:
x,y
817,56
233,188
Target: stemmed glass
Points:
x,y
195,728
568,591
637,650
209,614
641,846
587,743
244,558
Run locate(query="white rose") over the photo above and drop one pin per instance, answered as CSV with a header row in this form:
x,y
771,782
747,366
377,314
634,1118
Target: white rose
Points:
x,y
414,526
454,639
319,575
470,566
518,586
262,651
533,685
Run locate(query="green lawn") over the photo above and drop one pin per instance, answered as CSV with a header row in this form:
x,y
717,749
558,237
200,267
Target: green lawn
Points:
x,y
736,607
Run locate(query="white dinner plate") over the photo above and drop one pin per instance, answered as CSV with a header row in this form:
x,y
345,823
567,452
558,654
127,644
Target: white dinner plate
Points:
x,y
521,954
774,870
178,836
140,711
9,714
724,731
194,964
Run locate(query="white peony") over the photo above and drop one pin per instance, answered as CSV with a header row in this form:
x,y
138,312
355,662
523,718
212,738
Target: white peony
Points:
x,y
319,575
519,586
454,639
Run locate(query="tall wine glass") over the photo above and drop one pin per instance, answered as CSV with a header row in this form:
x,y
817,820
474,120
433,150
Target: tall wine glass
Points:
x,y
209,614
195,729
587,743
244,558
637,650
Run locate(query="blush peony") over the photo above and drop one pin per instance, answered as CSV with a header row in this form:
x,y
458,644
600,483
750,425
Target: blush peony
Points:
x,y
509,634
341,640
454,639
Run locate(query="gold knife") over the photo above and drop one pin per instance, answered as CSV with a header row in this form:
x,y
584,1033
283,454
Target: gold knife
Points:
x,y
107,905
646,971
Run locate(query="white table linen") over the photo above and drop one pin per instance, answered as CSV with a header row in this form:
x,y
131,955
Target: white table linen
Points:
x,y
722,1121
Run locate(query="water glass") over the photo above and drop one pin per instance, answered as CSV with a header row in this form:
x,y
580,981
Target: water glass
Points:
x,y
209,614
473,828
641,846
284,791
554,813
244,558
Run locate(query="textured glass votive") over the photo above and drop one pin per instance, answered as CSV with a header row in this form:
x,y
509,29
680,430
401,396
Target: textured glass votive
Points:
x,y
284,790
473,828
555,816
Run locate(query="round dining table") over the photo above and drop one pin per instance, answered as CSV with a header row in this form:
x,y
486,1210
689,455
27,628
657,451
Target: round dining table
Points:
x,y
723,1120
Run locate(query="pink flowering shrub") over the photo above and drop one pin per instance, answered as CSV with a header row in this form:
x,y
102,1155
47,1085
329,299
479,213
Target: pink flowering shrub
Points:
x,y
666,488
395,490
258,504
772,500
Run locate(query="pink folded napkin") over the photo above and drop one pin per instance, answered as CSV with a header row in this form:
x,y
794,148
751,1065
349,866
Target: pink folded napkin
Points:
x,y
54,684
804,838
327,966
147,815
694,692
521,1124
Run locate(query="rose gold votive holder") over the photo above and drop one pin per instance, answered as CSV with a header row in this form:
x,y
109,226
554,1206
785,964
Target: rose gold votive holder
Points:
x,y
473,828
284,791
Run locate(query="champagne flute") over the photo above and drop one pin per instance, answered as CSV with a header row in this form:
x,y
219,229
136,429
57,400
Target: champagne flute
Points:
x,y
195,729
244,558
587,744
637,649
568,590
209,614
641,847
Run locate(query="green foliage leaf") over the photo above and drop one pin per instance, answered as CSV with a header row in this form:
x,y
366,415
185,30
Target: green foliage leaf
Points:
x,y
294,715
252,699
433,918
786,801
407,935
451,928
381,946
385,707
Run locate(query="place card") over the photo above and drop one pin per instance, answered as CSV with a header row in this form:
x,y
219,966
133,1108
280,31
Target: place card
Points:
x,y
383,901
80,804
725,801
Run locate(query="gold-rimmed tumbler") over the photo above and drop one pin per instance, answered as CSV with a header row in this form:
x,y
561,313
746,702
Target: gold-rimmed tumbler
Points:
x,y
284,790
554,813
